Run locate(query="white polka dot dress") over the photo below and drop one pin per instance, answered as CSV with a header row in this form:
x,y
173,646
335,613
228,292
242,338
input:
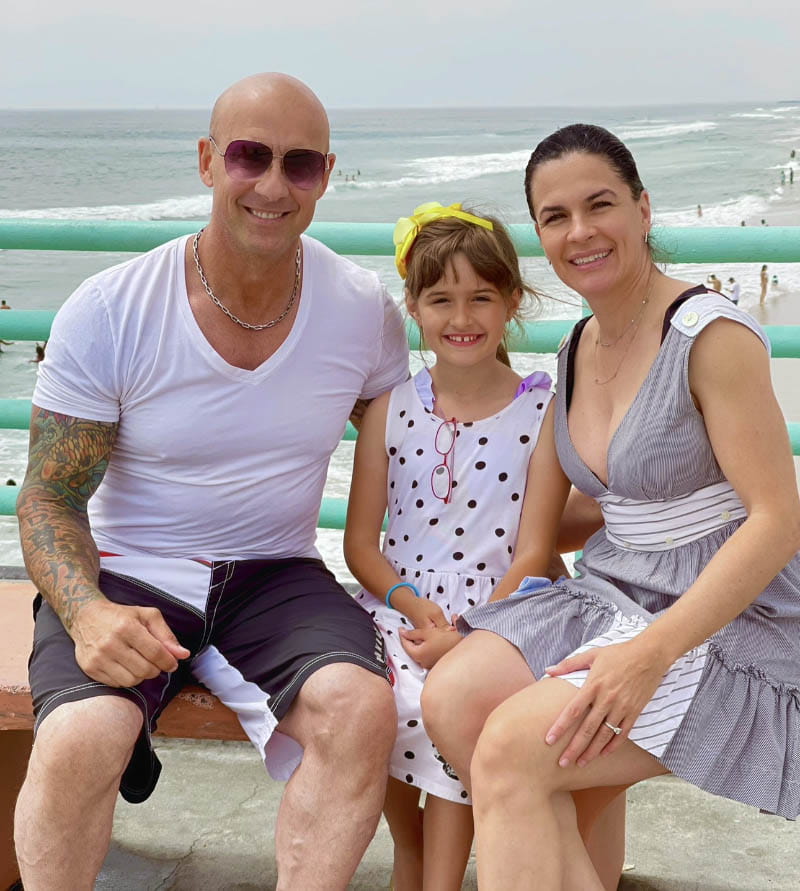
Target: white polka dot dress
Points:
x,y
455,553
726,716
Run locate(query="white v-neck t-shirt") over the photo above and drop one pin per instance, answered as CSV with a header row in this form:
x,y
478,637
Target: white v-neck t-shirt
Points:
x,y
212,461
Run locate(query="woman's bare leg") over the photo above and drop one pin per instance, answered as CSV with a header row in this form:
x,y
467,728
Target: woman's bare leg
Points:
x,y
526,826
448,839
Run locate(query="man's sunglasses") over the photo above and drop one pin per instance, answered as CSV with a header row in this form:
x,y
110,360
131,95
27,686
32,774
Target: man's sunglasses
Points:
x,y
245,159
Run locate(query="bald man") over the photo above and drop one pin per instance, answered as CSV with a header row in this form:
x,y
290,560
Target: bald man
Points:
x,y
183,421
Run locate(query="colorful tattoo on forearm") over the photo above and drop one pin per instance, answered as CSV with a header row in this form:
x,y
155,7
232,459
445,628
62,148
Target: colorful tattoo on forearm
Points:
x,y
67,460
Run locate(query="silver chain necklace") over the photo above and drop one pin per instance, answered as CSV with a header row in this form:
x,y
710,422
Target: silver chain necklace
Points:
x,y
298,269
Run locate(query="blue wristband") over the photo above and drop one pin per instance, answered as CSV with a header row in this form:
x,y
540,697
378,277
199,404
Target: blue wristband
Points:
x,y
395,587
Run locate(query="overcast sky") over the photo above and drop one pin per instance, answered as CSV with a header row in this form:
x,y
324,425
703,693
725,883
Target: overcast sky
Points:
x,y
367,53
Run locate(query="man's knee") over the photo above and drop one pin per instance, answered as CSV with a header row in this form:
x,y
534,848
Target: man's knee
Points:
x,y
341,706
89,741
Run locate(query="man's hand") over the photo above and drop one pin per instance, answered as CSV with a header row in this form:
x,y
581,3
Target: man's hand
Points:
x,y
426,646
123,645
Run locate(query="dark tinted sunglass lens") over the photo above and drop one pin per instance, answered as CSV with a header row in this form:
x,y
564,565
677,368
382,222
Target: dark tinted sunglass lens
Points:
x,y
247,160
304,168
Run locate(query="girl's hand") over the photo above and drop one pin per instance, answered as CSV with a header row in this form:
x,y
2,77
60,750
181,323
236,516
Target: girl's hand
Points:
x,y
426,646
622,680
425,613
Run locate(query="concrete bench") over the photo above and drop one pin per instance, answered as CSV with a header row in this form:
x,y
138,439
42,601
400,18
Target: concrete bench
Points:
x,y
193,714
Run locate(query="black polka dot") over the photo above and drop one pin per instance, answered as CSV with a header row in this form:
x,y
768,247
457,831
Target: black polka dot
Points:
x,y
419,502
479,465
412,723
402,572
499,532
409,778
481,567
411,423
403,620
492,581
470,601
540,405
524,438
472,503
458,433
483,440
417,575
433,521
402,460
502,477
392,542
419,558
510,549
439,589
515,496
464,794
405,538
458,555
414,484
404,667
409,755
372,613
420,451
392,450
391,484
470,582
468,423
459,530
403,413
399,511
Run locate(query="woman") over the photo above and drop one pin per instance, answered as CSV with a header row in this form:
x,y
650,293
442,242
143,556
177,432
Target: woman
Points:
x,y
678,647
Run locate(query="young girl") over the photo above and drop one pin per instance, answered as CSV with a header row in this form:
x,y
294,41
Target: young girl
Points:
x,y
451,453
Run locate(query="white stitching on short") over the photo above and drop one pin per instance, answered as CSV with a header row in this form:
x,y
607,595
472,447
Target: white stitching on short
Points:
x,y
298,674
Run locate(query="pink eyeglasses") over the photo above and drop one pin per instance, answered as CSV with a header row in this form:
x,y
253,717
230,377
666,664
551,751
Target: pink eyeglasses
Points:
x,y
442,474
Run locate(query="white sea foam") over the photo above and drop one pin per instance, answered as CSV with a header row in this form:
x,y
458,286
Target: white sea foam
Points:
x,y
754,114
663,132
194,208
746,207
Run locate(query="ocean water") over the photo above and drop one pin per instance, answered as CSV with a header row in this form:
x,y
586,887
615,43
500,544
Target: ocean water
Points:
x,y
141,165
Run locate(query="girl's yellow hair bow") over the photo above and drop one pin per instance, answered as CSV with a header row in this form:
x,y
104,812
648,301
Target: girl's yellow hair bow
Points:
x,y
407,229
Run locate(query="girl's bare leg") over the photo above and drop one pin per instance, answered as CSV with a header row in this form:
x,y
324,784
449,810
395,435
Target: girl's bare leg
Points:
x,y
401,809
448,839
526,825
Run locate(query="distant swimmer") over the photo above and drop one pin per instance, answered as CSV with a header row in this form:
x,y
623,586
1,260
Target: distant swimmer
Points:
x,y
764,283
791,176
699,210
783,177
716,284
4,305
764,223
774,281
742,223
792,153
733,291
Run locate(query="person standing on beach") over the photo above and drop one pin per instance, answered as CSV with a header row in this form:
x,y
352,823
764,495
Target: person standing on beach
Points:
x,y
764,283
183,420
715,283
733,291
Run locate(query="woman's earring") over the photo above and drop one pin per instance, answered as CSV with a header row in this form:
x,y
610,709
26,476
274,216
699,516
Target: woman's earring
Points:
x,y
646,237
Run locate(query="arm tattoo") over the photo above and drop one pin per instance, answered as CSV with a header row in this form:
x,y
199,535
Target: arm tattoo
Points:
x,y
66,462
357,414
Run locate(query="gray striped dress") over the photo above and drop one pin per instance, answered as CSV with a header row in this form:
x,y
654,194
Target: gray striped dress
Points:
x,y
727,715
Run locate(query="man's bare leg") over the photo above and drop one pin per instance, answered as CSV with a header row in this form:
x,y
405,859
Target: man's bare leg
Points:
x,y
64,813
345,719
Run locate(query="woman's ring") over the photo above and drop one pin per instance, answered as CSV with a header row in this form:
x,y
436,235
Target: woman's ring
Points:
x,y
616,730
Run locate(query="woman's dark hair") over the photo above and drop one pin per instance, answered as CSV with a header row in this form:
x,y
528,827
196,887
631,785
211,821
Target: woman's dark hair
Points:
x,y
590,140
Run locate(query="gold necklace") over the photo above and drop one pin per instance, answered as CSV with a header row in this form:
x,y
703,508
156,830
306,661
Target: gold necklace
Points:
x,y
634,323
628,327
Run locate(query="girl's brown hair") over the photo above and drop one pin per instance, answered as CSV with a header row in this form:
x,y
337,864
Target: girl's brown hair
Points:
x,y
491,254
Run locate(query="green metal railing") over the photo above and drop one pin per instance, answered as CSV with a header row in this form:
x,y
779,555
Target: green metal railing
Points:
x,y
774,244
